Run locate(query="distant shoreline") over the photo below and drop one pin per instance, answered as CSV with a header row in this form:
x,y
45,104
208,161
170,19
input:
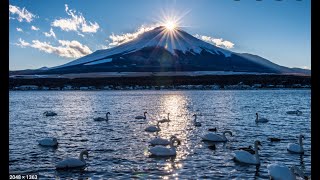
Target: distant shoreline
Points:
x,y
204,82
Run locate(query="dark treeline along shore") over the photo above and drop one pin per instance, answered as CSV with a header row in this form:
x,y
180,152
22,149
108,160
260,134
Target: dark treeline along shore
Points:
x,y
160,82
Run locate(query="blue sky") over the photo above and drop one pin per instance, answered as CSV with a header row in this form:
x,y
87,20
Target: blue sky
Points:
x,y
51,33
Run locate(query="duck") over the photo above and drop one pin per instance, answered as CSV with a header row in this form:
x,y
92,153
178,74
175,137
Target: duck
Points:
x,y
273,139
142,117
248,149
162,151
72,163
165,120
49,113
279,171
161,141
212,147
48,142
262,120
247,158
216,137
101,118
296,148
153,128
296,112
212,129
195,123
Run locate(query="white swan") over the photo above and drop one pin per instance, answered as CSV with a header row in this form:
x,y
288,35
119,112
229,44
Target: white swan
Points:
x,y
161,141
101,118
216,137
50,113
296,148
195,123
142,117
246,157
165,120
297,112
279,171
48,142
73,162
164,151
153,128
262,120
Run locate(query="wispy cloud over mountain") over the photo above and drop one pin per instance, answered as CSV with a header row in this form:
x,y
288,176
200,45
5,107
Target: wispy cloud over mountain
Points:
x,y
75,23
22,14
19,30
50,33
68,49
34,28
126,37
216,41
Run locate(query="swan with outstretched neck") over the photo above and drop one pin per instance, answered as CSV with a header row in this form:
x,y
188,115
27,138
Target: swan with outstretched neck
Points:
x,y
296,148
195,123
163,151
142,117
216,137
278,171
247,158
101,118
161,141
153,128
262,120
165,120
73,162
48,142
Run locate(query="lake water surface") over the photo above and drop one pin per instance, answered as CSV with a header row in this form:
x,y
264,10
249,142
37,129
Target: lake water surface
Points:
x,y
118,148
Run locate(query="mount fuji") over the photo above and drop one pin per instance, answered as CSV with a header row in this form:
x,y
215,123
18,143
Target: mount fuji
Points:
x,y
161,50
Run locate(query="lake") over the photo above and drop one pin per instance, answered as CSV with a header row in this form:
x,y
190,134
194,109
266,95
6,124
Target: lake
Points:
x,y
118,149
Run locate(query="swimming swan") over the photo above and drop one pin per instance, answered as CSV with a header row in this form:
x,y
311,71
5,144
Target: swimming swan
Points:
x,y
195,123
165,120
50,113
48,142
73,162
101,118
247,158
164,151
216,137
296,148
161,141
279,171
142,117
153,128
262,120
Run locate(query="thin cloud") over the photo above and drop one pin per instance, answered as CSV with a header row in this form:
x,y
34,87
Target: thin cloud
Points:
x,y
216,41
75,23
50,33
34,28
67,49
19,30
22,43
22,14
126,37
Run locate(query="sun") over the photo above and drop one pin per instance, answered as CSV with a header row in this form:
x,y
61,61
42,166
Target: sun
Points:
x,y
170,25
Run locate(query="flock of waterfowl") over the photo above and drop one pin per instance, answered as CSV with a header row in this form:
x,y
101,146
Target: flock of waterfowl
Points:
x,y
245,155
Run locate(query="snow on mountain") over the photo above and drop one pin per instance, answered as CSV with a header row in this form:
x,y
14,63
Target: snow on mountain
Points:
x,y
99,62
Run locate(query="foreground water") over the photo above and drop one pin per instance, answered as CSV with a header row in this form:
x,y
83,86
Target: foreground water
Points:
x,y
118,148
